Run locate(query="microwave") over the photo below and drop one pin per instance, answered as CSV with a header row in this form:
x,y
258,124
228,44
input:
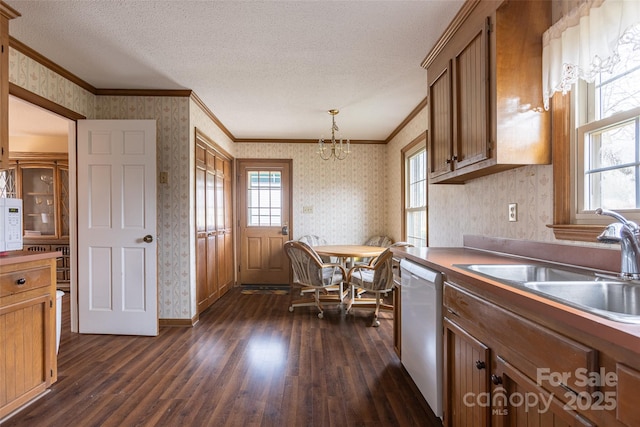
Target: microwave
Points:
x,y
10,224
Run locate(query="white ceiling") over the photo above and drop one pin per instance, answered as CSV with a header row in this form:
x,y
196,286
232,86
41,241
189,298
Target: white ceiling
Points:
x,y
266,69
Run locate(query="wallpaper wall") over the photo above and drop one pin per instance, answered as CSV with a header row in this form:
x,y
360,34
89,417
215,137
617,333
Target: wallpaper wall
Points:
x,y
350,199
347,197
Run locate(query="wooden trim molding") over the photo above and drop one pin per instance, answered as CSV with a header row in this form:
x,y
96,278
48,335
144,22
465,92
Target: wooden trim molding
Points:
x,y
212,116
40,101
199,135
455,24
185,323
186,93
420,139
38,156
7,11
410,117
26,95
303,141
27,51
561,131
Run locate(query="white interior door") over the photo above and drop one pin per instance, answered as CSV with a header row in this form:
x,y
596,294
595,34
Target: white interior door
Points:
x,y
117,250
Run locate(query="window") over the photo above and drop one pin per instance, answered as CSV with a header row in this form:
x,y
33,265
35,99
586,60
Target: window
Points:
x,y
589,52
608,141
264,199
416,196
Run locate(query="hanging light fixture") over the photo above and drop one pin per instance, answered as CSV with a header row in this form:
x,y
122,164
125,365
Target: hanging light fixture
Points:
x,y
336,149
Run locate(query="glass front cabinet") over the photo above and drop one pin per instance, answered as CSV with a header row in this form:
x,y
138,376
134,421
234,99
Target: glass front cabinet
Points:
x,y
42,182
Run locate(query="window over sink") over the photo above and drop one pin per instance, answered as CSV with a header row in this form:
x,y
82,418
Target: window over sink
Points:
x,y
593,51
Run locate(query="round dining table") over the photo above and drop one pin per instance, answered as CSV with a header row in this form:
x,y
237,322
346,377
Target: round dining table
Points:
x,y
349,251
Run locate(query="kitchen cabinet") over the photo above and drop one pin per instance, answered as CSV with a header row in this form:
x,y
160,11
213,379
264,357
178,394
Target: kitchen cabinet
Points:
x,y
500,367
6,14
214,237
467,364
41,180
28,363
485,99
627,409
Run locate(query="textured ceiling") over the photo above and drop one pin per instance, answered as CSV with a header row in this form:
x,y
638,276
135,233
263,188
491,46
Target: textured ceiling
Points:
x,y
266,69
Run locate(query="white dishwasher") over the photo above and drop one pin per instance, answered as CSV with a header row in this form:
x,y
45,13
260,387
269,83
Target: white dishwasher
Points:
x,y
421,345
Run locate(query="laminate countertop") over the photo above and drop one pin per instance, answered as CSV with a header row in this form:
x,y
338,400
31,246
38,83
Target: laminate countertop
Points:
x,y
567,319
15,257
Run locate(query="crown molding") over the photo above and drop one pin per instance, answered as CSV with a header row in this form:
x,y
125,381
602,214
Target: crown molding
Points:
x,y
406,121
302,141
29,96
7,11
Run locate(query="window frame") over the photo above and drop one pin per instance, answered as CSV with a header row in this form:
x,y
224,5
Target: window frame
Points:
x,y
414,147
582,215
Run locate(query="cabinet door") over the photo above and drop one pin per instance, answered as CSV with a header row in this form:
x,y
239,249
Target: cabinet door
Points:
x,y
466,378
519,401
440,152
25,334
39,200
226,281
8,187
627,410
63,201
470,102
201,230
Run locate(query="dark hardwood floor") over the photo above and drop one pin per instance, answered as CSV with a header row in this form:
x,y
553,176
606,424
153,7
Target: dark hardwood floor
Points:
x,y
248,362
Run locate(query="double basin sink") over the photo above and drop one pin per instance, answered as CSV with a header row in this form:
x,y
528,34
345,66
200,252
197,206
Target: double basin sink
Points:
x,y
614,299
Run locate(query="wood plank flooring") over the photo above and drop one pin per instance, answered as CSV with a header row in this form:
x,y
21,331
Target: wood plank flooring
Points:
x,y
248,362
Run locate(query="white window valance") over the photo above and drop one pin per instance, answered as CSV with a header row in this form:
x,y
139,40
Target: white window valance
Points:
x,y
585,42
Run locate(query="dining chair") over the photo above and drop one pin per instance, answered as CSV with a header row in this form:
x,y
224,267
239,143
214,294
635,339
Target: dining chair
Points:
x,y
376,278
311,272
314,240
382,241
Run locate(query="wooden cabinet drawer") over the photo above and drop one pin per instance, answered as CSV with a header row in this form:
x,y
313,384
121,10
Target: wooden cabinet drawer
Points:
x,y
538,351
24,280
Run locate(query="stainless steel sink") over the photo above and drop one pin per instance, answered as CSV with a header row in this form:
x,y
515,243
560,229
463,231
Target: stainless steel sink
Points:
x,y
522,273
616,300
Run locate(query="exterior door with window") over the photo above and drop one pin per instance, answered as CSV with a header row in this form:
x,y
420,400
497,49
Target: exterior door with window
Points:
x,y
264,210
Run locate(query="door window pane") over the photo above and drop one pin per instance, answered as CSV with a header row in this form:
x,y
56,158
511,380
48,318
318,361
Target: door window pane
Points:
x,y
264,199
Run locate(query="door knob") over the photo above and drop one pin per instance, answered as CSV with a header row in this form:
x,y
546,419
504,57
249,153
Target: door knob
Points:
x,y
148,238
285,230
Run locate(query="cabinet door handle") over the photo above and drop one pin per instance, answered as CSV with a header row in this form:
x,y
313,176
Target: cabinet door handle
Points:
x,y
496,379
480,364
21,281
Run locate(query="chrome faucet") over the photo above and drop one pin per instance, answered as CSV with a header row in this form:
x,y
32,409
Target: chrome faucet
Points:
x,y
627,233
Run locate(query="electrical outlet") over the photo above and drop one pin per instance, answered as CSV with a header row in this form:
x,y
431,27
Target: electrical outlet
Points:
x,y
307,209
513,212
164,177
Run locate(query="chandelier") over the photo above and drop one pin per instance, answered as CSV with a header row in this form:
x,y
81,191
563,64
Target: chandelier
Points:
x,y
335,149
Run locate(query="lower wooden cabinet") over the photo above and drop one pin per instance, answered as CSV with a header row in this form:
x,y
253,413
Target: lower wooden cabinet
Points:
x,y
627,408
500,368
467,365
27,331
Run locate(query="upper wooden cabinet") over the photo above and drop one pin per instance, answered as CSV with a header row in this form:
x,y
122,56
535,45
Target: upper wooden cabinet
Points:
x,y
6,13
485,95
